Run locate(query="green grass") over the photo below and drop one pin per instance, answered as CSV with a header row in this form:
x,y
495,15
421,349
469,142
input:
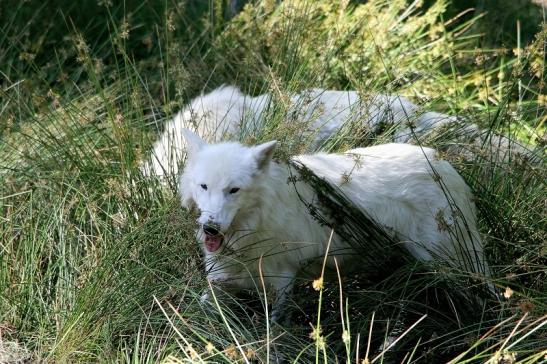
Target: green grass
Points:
x,y
98,263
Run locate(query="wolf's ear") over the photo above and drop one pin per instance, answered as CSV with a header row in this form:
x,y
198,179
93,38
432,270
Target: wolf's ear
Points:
x,y
193,142
263,153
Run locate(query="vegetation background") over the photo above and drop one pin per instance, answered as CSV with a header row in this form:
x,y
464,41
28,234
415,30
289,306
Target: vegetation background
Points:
x,y
98,264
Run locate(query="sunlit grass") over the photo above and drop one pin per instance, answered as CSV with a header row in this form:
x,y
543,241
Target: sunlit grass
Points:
x,y
98,263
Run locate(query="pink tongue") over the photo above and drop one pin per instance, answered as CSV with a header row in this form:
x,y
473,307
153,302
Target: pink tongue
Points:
x,y
212,242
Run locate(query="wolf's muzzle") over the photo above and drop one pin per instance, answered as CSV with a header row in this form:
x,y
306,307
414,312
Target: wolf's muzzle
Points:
x,y
211,229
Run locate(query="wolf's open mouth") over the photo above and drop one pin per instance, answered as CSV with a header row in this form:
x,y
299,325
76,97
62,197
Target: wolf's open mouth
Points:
x,y
213,242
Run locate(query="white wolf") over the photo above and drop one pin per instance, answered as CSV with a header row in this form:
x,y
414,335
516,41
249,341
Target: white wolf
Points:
x,y
226,113
248,210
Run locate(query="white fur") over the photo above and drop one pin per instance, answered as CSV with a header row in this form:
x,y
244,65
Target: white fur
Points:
x,y
225,112
209,115
266,219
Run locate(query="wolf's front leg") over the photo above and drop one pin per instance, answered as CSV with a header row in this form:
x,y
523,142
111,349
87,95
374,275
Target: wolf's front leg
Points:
x,y
222,283
219,289
209,292
219,276
283,285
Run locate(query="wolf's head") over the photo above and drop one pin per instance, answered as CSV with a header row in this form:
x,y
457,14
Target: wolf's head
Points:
x,y
222,180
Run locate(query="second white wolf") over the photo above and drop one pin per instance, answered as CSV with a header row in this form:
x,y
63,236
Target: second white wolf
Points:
x,y
248,211
226,113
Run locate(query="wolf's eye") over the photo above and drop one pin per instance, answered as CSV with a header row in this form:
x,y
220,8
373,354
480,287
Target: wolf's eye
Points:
x,y
204,187
234,190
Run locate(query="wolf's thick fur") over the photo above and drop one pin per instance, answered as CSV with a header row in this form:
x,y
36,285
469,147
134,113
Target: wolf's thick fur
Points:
x,y
226,112
264,217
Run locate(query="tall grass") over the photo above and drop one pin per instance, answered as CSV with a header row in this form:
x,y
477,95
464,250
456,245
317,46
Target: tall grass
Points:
x,y
98,263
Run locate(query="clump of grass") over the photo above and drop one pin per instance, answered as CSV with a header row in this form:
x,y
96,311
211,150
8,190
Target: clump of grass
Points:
x,y
99,264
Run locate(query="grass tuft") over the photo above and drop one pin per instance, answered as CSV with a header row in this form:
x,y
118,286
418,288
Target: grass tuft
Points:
x,y
98,263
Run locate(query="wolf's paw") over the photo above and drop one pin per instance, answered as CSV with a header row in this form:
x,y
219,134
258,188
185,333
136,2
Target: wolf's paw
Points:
x,y
276,315
205,297
280,316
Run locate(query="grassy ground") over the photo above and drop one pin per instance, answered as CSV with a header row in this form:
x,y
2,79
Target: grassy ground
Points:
x,y
98,263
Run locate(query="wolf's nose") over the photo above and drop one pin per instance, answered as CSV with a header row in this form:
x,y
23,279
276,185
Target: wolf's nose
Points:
x,y
211,229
